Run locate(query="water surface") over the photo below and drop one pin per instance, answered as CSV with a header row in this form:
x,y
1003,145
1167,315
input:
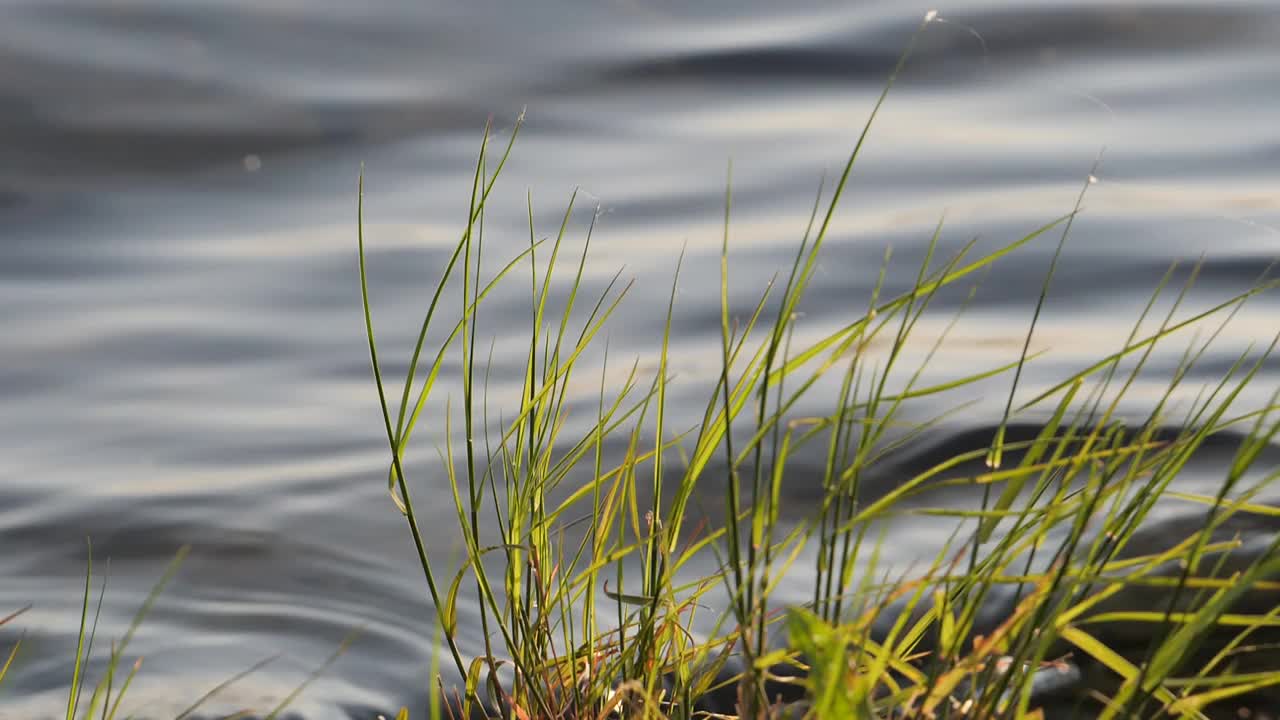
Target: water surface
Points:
x,y
183,358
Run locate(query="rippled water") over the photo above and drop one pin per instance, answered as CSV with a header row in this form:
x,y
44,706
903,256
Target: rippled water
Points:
x,y
183,359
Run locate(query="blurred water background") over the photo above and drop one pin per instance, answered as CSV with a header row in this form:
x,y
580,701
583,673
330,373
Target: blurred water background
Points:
x,y
181,347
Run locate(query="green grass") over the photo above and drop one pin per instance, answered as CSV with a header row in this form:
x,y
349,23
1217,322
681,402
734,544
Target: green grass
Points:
x,y
572,548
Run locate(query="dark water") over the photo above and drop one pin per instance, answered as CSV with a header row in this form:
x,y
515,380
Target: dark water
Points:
x,y
182,357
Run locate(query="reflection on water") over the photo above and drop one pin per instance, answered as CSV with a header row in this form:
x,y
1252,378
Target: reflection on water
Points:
x,y
183,357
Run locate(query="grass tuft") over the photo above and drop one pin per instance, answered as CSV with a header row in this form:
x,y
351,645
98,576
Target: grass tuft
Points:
x,y
573,542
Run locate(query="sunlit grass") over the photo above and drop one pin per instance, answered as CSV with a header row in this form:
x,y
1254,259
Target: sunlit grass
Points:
x,y
576,644
586,614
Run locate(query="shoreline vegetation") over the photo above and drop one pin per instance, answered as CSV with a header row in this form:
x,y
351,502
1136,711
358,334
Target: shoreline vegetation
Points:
x,y
600,625
572,554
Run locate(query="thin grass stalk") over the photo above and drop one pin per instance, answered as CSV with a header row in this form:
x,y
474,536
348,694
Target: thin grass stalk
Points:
x,y
769,519
110,680
474,235
93,634
401,481
653,530
311,677
124,689
402,432
73,696
718,428
997,444
8,663
739,590
193,707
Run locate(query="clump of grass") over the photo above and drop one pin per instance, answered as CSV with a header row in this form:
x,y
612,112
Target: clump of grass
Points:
x,y
599,622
